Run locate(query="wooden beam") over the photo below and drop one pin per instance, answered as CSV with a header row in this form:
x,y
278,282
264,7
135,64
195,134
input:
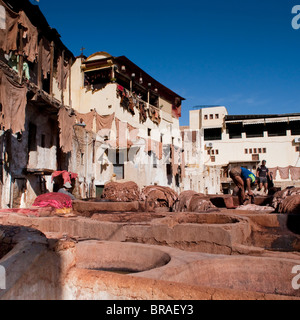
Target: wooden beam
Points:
x,y
51,67
21,58
62,76
70,88
40,61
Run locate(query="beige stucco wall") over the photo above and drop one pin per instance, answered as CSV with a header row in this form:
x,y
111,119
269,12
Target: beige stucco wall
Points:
x,y
217,114
141,168
280,150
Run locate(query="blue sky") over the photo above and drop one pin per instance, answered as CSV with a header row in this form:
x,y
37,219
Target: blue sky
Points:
x,y
244,55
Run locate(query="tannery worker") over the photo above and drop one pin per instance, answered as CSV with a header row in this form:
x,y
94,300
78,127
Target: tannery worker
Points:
x,y
263,175
66,190
244,180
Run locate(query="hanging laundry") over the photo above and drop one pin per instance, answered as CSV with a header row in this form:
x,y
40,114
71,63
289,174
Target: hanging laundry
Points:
x,y
46,58
104,122
88,119
154,146
13,98
273,172
62,73
66,123
66,176
30,38
176,108
295,173
284,172
143,113
8,36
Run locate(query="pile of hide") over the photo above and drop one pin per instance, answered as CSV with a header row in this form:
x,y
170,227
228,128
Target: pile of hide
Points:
x,y
184,200
121,192
55,200
254,207
287,200
159,196
191,201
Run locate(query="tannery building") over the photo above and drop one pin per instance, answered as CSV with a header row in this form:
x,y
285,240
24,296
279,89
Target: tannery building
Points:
x,y
35,69
100,117
245,140
134,119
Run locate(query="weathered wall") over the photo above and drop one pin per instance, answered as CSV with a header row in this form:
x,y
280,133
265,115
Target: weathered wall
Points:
x,y
21,152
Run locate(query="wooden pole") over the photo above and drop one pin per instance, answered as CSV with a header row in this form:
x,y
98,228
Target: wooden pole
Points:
x,y
62,76
21,58
40,61
51,67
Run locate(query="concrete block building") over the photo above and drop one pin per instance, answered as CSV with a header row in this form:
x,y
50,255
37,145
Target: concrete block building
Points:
x,y
246,140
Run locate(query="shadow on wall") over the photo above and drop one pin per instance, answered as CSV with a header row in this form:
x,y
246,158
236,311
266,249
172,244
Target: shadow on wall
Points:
x,y
293,223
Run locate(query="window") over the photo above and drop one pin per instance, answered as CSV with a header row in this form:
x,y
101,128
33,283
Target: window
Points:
x,y
234,131
205,117
246,151
254,130
254,150
211,116
264,150
216,116
213,159
259,150
32,146
297,149
250,151
212,134
119,166
119,171
255,157
276,129
217,152
295,128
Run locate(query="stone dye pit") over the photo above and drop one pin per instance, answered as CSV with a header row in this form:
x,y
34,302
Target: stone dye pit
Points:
x,y
102,254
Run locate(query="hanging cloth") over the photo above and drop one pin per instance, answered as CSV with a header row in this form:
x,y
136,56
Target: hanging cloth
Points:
x,y
13,98
30,38
284,172
9,34
295,173
66,123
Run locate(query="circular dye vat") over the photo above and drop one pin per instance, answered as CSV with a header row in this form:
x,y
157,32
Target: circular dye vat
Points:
x,y
257,274
205,218
118,257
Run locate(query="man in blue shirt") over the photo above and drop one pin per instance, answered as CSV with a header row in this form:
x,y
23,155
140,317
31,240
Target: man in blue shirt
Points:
x,y
244,180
